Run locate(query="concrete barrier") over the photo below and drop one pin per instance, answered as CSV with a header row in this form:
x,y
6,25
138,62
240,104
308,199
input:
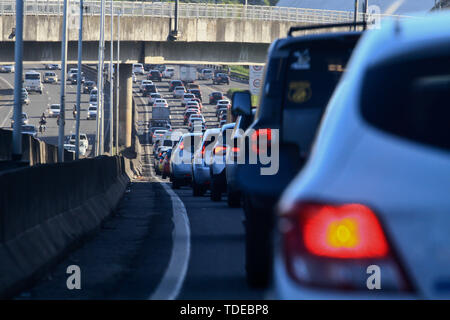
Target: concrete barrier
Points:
x,y
34,150
47,209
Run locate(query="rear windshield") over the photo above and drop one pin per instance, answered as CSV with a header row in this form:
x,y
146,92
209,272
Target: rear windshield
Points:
x,y
414,100
217,94
167,143
33,76
313,72
176,83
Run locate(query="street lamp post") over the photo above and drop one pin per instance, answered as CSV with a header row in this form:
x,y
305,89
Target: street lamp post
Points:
x,y
18,52
62,112
101,48
110,142
117,85
80,53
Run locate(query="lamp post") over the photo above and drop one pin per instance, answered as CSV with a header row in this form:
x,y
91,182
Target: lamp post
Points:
x,y
80,53
117,85
110,142
101,48
62,112
18,52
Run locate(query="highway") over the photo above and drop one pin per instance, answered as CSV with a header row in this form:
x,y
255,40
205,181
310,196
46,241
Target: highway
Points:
x,y
160,243
40,103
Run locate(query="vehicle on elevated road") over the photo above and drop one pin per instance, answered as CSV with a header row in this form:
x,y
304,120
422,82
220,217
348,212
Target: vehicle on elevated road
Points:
x,y
32,81
54,110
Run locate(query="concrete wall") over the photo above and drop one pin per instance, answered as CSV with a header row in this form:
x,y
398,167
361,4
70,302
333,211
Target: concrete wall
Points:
x,y
144,39
48,29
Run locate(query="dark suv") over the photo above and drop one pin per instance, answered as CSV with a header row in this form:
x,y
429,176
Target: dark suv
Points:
x,y
215,96
175,83
154,75
220,78
300,76
149,88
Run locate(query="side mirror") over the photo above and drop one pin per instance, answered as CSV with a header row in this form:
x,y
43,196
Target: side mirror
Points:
x,y
241,103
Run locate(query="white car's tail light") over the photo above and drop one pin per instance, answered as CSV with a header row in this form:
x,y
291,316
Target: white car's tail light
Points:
x,y
332,245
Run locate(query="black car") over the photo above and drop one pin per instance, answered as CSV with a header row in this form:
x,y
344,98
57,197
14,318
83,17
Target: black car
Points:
x,y
88,86
175,83
149,88
197,93
300,77
221,78
215,96
148,67
154,75
74,77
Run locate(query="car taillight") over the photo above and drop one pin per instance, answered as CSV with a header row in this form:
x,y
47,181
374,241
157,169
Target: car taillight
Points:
x,y
220,150
181,145
331,246
259,136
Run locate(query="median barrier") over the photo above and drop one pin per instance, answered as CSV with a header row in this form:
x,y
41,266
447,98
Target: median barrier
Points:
x,y
46,209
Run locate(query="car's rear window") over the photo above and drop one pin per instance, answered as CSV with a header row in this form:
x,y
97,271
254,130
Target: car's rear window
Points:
x,y
217,94
313,71
410,99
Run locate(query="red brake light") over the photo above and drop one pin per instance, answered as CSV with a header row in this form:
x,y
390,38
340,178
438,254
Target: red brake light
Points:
x,y
331,246
345,231
258,136
181,145
220,149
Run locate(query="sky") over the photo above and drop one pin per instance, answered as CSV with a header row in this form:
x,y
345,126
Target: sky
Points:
x,y
406,6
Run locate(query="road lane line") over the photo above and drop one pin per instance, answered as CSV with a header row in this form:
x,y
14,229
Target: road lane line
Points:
x,y
171,283
12,108
170,286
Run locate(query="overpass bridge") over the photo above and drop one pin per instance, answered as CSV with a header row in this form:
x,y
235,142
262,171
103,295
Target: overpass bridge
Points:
x,y
209,34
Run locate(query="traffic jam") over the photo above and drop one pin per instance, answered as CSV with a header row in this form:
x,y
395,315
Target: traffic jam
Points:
x,y
341,165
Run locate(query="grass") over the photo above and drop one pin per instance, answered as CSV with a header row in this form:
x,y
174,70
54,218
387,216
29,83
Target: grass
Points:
x,y
242,70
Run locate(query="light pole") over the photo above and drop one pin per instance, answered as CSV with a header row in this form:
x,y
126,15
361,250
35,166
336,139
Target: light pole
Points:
x,y
356,13
80,53
18,52
101,48
110,144
117,85
62,112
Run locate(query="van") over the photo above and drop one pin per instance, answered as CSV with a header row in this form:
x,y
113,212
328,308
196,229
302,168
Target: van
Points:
x,y
138,68
206,74
32,81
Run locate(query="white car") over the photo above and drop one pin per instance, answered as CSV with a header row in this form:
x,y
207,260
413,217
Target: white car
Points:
x,y
153,97
7,69
83,140
72,71
92,112
143,83
161,103
187,97
54,110
70,147
169,72
368,216
138,68
206,74
134,78
179,92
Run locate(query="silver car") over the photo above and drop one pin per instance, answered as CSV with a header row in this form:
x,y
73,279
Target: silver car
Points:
x,y
200,163
181,158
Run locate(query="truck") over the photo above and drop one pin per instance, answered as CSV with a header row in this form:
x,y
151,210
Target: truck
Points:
x,y
188,74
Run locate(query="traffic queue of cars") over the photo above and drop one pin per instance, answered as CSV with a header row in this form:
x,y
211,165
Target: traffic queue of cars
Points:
x,y
344,166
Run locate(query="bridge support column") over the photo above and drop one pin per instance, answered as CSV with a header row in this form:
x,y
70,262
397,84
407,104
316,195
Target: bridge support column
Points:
x,y
125,104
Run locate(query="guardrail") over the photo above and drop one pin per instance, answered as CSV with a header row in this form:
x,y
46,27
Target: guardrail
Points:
x,y
189,10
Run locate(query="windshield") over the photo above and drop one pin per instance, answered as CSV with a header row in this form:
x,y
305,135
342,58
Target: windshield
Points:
x,y
33,76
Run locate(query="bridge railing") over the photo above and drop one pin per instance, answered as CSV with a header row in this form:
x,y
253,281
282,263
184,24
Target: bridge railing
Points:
x,y
188,10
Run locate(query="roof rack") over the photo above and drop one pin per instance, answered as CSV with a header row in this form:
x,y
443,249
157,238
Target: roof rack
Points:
x,y
326,26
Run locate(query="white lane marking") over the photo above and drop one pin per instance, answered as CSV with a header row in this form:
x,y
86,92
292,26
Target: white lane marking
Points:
x,y
171,283
170,286
12,107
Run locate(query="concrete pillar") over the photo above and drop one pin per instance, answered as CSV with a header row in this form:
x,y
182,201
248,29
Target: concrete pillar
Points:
x,y
125,104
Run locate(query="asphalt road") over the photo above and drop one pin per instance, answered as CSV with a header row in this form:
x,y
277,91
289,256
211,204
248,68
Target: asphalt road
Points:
x,y
40,103
159,243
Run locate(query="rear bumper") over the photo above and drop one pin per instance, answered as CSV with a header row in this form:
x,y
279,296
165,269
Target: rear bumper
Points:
x,y
201,174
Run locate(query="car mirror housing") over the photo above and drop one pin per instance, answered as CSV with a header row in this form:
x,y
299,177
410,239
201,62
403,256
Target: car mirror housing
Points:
x,y
241,103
